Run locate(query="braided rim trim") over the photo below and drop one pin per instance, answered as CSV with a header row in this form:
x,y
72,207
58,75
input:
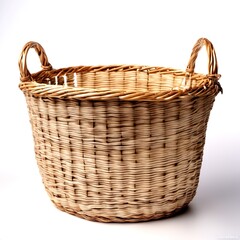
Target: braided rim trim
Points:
x,y
212,87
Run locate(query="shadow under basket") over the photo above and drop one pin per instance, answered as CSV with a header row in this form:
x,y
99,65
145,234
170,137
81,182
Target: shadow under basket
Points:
x,y
120,143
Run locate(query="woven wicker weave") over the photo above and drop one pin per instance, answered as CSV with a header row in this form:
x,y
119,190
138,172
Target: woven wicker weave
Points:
x,y
120,143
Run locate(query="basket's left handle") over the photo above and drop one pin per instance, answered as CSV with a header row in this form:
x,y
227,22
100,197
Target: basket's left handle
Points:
x,y
24,72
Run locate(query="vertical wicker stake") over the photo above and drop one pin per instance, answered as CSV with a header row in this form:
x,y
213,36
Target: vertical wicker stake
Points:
x,y
120,143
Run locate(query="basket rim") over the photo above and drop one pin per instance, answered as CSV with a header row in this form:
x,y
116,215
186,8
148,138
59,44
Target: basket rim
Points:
x,y
207,84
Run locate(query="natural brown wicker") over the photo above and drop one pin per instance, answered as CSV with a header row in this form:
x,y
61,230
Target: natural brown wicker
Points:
x,y
120,143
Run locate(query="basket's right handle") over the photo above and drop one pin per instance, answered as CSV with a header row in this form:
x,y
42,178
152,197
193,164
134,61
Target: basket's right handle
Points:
x,y
212,58
25,74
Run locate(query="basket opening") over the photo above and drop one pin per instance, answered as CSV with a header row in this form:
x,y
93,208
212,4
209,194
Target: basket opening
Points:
x,y
133,79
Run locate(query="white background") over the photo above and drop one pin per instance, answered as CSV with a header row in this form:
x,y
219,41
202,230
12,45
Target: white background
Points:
x,y
119,32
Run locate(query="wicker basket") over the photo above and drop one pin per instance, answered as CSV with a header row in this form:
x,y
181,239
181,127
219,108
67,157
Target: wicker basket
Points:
x,y
120,143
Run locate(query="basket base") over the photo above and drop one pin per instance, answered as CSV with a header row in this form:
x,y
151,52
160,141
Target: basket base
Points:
x,y
132,219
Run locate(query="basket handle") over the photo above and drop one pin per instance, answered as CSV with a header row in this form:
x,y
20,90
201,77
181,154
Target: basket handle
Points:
x,y
212,58
24,72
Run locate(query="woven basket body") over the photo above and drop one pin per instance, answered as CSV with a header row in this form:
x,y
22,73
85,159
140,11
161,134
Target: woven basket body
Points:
x,y
119,143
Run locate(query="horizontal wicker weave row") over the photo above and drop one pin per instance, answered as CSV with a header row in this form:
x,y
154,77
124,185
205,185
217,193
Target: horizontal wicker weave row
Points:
x,y
119,143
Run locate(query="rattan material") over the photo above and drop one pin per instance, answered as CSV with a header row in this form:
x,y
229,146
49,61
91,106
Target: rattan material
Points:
x,y
120,143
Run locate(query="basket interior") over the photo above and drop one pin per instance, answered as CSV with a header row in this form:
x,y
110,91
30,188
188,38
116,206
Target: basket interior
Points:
x,y
121,78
